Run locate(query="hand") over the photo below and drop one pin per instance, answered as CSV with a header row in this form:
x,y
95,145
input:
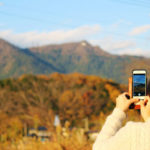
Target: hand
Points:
x,y
123,103
145,108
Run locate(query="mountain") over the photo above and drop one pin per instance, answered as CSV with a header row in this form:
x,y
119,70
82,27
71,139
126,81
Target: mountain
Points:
x,y
82,49
72,57
85,58
67,58
15,61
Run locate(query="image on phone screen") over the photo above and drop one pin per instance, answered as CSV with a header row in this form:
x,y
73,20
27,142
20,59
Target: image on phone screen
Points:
x,y
139,81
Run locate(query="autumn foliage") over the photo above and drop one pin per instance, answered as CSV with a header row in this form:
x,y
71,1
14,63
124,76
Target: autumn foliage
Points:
x,y
35,100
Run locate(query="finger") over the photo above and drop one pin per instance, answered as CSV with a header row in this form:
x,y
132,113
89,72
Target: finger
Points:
x,y
147,100
146,97
122,96
126,95
142,103
134,100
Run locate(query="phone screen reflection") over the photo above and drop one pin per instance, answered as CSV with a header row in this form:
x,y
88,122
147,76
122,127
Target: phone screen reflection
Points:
x,y
139,81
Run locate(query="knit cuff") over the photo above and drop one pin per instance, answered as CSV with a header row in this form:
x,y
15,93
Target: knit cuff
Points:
x,y
118,113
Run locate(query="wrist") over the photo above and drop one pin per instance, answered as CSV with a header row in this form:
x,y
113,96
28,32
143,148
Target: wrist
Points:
x,y
119,113
122,109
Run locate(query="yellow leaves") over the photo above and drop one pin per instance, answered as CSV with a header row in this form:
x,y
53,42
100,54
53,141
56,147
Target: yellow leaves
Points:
x,y
22,77
67,95
81,80
12,122
11,128
113,91
16,123
44,77
36,120
72,96
56,76
93,80
58,130
67,124
70,105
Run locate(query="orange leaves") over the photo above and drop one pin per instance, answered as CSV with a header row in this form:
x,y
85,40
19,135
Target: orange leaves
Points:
x,y
73,96
87,94
67,95
11,128
113,91
70,106
44,77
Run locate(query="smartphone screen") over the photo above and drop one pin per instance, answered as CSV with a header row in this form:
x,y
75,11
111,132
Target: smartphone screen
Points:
x,y
139,84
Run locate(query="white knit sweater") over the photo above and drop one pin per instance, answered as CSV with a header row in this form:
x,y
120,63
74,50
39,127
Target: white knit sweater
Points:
x,y
133,136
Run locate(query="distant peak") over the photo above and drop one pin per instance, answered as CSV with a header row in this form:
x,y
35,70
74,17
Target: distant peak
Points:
x,y
83,43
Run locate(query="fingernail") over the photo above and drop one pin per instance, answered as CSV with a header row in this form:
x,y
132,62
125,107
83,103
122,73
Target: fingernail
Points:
x,y
145,102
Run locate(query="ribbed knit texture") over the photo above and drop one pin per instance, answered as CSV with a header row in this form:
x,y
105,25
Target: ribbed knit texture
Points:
x,y
133,136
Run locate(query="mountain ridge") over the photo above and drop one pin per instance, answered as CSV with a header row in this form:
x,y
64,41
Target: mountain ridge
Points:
x,y
72,47
16,61
66,58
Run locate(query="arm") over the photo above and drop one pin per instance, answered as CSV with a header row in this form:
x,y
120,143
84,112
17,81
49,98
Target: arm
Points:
x,y
110,134
111,126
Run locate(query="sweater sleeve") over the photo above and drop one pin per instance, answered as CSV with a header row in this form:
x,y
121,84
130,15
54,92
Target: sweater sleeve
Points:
x,y
109,136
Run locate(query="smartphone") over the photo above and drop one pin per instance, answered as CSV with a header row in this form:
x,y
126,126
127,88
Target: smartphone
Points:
x,y
139,84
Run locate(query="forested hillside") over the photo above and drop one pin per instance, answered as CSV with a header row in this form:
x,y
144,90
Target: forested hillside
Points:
x,y
31,101
73,97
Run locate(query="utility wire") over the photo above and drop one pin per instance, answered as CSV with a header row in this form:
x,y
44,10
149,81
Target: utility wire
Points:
x,y
145,1
46,21
31,18
84,18
22,7
133,3
52,14
139,2
56,23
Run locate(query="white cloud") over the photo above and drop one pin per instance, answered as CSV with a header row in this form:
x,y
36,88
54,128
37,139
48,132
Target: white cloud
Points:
x,y
114,46
36,38
121,47
90,33
139,30
135,52
120,22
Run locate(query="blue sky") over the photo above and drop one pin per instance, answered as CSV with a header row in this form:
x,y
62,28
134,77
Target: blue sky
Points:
x,y
139,78
117,26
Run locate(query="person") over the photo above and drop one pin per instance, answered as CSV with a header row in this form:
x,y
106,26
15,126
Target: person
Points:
x,y
133,136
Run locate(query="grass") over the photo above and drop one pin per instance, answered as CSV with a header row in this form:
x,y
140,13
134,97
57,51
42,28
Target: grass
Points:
x,y
75,141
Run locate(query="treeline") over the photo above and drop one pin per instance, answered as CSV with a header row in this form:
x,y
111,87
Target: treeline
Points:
x,y
35,100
